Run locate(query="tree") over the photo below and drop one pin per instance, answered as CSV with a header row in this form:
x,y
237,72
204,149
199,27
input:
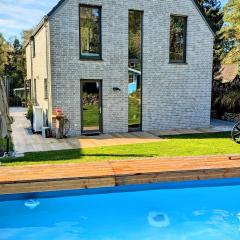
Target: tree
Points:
x,y
26,34
15,68
231,32
4,51
214,13
135,37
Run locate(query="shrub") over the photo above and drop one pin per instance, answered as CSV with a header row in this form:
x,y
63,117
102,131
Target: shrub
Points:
x,y
231,101
29,114
227,102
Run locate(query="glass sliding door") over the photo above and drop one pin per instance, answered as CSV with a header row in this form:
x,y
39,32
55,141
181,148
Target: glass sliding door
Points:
x,y
91,105
135,20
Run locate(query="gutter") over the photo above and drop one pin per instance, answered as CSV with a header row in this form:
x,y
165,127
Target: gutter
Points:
x,y
37,29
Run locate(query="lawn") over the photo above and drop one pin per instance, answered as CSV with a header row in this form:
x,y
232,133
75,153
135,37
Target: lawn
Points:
x,y
91,116
91,113
183,145
134,111
3,146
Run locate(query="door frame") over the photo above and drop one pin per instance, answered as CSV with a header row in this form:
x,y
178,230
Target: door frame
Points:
x,y
140,128
90,132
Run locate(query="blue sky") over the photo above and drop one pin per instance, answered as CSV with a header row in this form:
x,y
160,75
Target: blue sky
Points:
x,y
16,15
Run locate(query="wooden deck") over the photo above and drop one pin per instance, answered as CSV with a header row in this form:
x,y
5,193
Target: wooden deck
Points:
x,y
40,178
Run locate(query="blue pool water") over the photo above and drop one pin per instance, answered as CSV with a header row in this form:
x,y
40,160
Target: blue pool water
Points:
x,y
206,210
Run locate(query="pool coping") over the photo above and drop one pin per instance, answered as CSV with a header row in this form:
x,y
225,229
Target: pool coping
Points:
x,y
74,176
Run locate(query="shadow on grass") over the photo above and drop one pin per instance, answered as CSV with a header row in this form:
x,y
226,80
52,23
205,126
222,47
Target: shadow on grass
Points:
x,y
199,136
64,155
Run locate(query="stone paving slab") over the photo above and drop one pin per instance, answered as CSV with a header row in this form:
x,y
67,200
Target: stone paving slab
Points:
x,y
24,141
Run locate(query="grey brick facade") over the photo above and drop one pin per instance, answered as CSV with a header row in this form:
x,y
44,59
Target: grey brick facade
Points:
x,y
174,95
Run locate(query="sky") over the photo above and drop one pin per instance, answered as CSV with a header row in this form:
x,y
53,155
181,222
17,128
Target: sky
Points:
x,y
18,15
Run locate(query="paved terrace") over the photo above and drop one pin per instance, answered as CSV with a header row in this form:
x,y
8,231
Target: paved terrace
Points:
x,y
42,178
25,141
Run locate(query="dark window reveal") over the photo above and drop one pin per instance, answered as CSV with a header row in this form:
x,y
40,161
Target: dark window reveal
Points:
x,y
45,88
35,90
90,32
178,39
33,47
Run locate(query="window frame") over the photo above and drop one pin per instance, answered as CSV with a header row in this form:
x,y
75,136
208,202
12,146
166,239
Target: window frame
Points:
x,y
35,90
89,58
33,47
184,61
45,88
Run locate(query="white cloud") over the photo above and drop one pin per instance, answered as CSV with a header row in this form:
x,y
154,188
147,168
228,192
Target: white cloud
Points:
x,y
18,15
8,23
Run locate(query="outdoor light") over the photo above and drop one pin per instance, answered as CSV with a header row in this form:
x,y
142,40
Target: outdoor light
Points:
x,y
116,89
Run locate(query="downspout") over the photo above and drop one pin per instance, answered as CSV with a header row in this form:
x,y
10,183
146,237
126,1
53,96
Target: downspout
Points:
x,y
47,67
31,54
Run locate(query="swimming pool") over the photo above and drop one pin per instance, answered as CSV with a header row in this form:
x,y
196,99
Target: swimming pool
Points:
x,y
208,210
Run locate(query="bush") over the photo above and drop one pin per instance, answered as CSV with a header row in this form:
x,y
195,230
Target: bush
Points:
x,y
29,114
231,101
227,102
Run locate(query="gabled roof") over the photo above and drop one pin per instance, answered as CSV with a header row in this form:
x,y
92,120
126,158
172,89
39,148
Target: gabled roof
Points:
x,y
199,7
201,10
227,73
55,7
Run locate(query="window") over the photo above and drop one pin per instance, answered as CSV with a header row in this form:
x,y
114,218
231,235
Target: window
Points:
x,y
90,32
45,88
33,47
130,78
35,90
178,37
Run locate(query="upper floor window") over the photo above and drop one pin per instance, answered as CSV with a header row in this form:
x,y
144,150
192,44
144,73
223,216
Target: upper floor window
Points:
x,y
90,32
178,39
33,47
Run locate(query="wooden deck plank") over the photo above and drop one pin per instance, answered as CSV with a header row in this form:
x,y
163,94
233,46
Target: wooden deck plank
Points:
x,y
51,177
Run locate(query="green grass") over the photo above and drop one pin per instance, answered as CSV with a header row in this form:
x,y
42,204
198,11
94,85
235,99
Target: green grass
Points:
x,y
183,145
134,111
3,145
91,115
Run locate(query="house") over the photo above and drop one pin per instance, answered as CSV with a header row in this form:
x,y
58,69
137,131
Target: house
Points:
x,y
79,55
228,74
225,92
134,81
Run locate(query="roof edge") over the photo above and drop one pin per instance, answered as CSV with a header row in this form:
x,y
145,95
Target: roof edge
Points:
x,y
45,18
202,12
199,7
43,21
55,7
37,29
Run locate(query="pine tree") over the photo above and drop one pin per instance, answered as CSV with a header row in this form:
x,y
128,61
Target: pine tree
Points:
x,y
214,13
231,32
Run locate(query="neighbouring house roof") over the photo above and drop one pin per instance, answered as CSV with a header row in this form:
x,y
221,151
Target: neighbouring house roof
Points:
x,y
134,71
39,26
227,73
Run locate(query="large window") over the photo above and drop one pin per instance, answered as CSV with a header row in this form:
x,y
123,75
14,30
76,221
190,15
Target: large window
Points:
x,y
90,32
178,38
135,39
